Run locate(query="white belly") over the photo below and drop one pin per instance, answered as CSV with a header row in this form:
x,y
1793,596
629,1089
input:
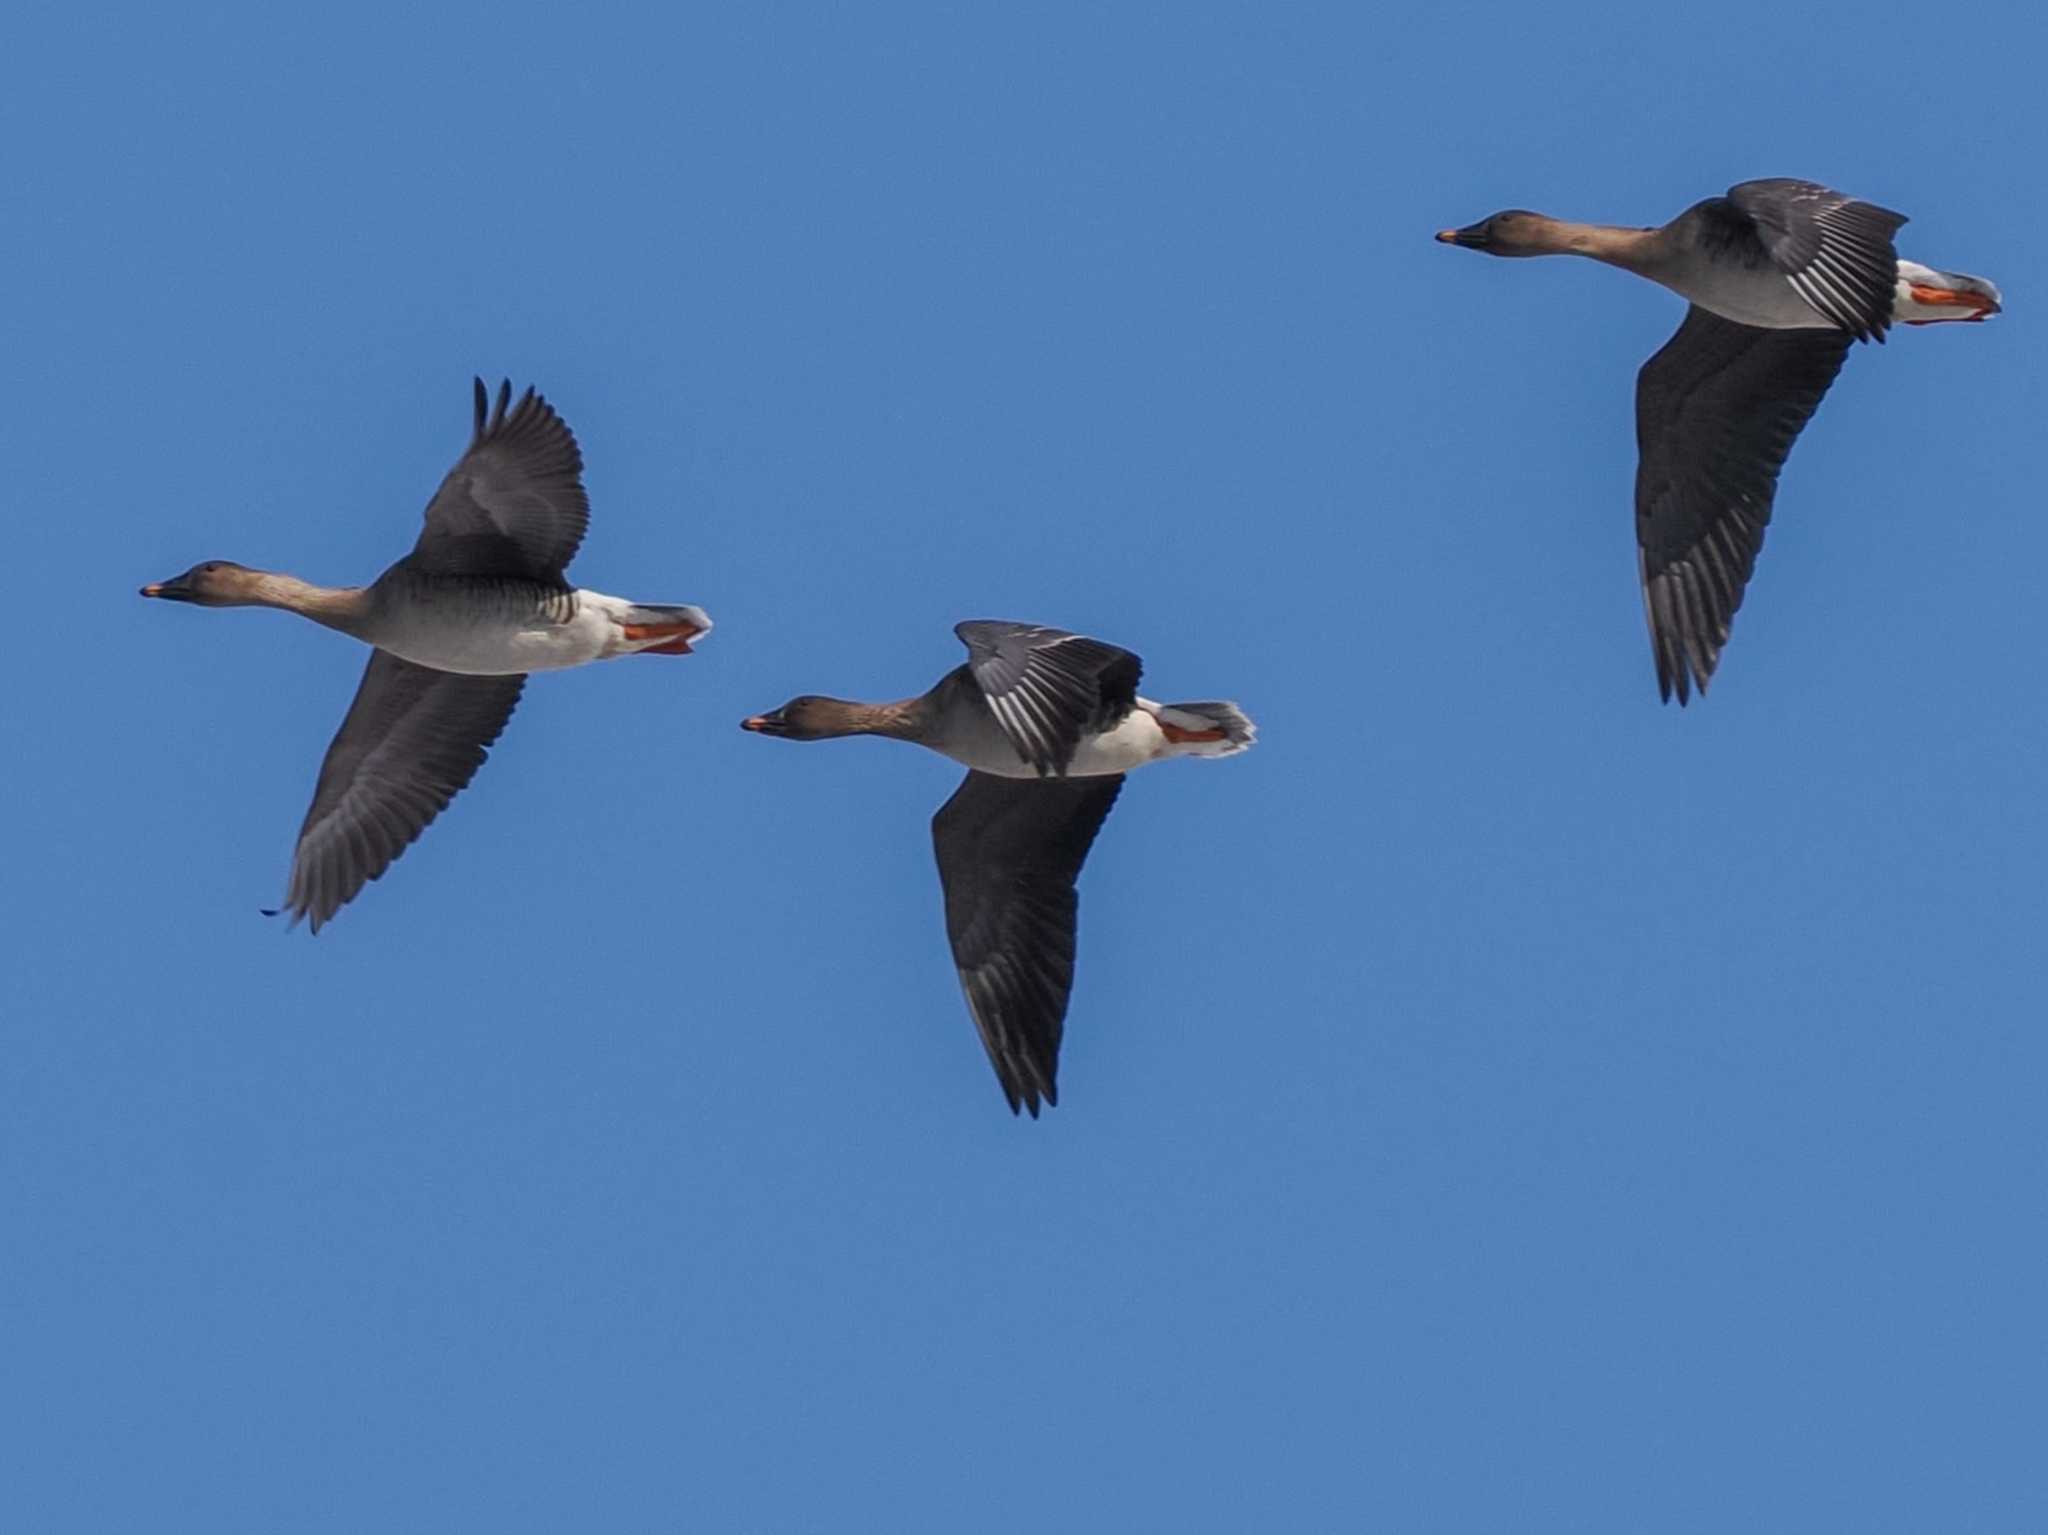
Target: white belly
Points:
x,y
1765,299
450,641
1135,741
1132,742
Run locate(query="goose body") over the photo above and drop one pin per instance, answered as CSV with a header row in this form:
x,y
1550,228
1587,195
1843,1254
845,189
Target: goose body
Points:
x,y
1782,276
455,627
1048,724
962,723
480,627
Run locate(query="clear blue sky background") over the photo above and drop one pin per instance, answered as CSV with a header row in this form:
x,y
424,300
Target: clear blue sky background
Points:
x,y
1498,1102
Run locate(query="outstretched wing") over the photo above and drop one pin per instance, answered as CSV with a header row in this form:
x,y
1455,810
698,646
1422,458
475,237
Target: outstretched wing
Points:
x,y
1717,410
514,504
413,738
1048,688
1009,852
1835,250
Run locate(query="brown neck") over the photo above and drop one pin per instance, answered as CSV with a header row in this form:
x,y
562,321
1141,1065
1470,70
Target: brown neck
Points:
x,y
904,719
338,607
1634,250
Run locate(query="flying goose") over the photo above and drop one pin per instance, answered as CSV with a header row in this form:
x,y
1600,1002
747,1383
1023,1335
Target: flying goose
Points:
x,y
1047,724
1782,276
456,625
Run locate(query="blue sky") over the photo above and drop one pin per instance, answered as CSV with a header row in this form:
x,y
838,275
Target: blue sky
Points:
x,y
1497,1102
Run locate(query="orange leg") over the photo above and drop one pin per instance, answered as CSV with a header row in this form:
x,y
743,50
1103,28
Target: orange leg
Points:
x,y
1178,736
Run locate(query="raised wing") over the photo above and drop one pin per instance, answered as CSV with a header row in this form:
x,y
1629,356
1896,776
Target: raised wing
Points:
x,y
1009,852
514,504
413,738
1836,250
1717,410
1048,688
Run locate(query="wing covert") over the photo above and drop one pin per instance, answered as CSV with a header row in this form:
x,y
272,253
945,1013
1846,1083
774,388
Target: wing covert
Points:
x,y
1048,688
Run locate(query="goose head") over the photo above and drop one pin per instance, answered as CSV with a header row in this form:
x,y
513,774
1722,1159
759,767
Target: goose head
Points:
x,y
807,718
1511,232
213,584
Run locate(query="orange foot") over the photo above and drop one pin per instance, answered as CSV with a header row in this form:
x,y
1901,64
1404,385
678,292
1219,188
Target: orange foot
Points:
x,y
1951,298
675,637
1179,736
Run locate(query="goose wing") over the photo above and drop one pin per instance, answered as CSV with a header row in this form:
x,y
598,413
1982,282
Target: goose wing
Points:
x,y
1836,251
1717,410
1009,851
1048,688
514,504
413,738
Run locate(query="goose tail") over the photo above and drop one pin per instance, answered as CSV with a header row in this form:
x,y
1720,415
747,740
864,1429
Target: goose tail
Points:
x,y
1207,729
1925,296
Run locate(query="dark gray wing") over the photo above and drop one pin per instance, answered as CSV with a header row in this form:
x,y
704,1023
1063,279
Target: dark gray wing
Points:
x,y
1048,688
1009,852
413,738
514,505
1836,250
1717,410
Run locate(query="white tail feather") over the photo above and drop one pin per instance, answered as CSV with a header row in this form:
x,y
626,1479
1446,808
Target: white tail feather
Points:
x,y
652,614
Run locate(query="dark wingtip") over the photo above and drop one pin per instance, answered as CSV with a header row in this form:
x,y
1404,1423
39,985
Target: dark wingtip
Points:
x,y
1024,1098
483,401
1032,1098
